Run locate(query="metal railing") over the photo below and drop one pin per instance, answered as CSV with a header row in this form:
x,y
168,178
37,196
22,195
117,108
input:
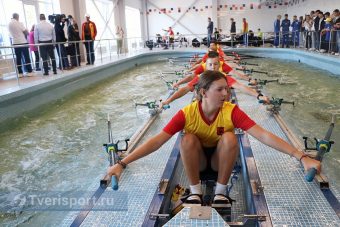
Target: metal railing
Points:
x,y
107,49
66,53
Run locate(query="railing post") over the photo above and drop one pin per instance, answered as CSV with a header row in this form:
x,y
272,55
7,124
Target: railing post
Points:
x,y
60,58
263,38
109,48
329,42
89,50
76,53
15,64
101,54
279,38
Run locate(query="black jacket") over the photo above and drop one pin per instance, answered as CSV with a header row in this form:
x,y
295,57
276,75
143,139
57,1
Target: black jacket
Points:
x,y
59,32
73,33
316,23
233,27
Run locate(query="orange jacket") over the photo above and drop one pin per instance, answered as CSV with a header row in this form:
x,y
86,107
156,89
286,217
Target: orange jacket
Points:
x,y
93,30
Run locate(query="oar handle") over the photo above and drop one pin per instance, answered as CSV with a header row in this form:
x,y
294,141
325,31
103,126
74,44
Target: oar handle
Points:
x,y
310,174
114,182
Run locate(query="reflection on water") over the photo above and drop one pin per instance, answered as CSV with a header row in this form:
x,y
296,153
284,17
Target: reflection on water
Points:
x,y
316,96
59,146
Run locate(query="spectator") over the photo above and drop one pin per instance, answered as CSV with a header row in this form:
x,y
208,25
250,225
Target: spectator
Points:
x,y
119,37
295,31
73,36
308,27
285,31
259,34
44,33
171,35
316,36
277,28
61,39
245,31
302,30
312,30
232,29
34,49
89,32
210,29
222,36
18,34
216,34
337,28
318,28
326,32
335,17
181,39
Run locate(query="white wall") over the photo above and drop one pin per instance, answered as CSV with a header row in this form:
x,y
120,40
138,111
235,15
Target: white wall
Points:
x,y
197,21
191,22
308,5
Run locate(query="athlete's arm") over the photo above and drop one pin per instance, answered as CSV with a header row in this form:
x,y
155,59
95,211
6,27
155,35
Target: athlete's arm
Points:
x,y
145,149
279,144
178,94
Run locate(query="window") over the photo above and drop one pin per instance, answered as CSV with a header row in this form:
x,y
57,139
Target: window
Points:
x,y
133,28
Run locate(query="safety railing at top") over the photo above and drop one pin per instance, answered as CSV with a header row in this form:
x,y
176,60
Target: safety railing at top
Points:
x,y
69,53
326,41
66,55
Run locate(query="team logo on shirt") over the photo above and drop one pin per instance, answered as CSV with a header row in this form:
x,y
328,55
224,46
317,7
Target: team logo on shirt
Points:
x,y
220,131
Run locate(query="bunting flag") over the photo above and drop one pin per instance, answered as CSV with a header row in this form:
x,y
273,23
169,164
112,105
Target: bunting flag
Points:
x,y
243,6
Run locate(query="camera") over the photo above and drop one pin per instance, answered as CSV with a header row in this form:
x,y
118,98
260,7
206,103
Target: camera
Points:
x,y
56,18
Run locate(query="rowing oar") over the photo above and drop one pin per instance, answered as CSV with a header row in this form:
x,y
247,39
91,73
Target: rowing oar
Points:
x,y
322,147
263,82
252,71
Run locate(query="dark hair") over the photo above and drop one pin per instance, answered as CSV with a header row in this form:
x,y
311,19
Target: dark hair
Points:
x,y
213,54
336,11
213,41
206,79
286,15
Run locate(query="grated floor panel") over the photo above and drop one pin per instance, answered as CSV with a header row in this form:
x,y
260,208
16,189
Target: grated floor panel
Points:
x,y
291,200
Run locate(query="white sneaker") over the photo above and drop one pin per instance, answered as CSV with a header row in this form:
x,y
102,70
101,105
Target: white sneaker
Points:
x,y
322,51
30,74
337,54
311,49
20,75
